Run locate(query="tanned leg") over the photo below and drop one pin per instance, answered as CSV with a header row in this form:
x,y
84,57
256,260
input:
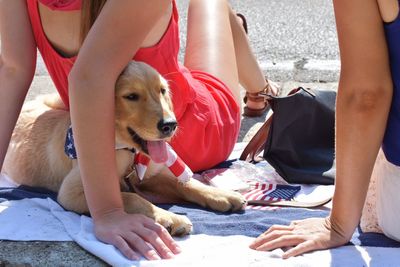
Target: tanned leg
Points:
x,y
217,44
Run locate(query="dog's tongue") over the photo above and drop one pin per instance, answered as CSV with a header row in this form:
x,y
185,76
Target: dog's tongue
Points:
x,y
157,151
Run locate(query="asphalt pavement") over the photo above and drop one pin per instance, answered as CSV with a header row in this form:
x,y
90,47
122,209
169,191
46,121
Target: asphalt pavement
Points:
x,y
296,44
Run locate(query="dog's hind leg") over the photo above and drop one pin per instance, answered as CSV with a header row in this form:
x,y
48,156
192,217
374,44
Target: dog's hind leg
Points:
x,y
71,195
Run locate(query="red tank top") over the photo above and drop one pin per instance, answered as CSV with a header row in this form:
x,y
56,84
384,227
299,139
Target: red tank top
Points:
x,y
62,5
163,56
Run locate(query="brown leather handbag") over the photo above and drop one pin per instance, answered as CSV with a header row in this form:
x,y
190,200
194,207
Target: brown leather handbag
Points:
x,y
298,139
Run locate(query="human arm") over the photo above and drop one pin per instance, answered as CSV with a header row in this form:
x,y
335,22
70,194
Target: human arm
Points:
x,y
363,102
117,34
17,66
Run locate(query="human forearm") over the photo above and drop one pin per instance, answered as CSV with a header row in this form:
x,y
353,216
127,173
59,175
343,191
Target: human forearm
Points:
x,y
93,123
359,131
92,82
13,88
17,65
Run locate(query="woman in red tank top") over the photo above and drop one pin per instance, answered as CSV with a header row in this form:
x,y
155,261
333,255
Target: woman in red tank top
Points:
x,y
205,87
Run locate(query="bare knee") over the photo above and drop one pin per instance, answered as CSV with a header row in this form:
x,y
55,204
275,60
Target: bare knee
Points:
x,y
367,97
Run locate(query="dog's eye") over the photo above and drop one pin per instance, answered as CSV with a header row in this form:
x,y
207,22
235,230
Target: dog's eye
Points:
x,y
163,91
132,97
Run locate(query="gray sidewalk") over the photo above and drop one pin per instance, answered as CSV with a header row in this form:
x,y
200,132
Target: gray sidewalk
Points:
x,y
295,41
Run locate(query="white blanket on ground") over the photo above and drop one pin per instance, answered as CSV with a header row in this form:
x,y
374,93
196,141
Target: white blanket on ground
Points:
x,y
44,219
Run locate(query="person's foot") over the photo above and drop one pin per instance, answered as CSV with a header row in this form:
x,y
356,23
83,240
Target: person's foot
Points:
x,y
257,105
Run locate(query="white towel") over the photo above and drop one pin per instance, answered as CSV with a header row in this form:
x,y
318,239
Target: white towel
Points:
x,y
44,219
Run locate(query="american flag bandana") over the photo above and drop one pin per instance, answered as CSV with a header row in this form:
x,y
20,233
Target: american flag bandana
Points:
x,y
263,193
174,163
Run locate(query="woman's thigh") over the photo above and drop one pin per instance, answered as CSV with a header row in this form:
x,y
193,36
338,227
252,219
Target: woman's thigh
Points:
x,y
209,44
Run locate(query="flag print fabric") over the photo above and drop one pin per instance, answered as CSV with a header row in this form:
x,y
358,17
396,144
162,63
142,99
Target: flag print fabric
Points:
x,y
264,193
174,163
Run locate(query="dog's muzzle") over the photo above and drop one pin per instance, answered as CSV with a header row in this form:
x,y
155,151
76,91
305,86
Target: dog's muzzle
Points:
x,y
167,127
138,140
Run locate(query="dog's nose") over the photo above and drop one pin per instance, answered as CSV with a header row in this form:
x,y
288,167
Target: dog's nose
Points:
x,y
167,127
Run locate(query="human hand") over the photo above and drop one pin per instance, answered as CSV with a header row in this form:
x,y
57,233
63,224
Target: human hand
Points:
x,y
303,236
135,235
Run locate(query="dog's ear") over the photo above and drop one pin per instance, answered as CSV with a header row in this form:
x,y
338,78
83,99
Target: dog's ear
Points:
x,y
131,71
166,91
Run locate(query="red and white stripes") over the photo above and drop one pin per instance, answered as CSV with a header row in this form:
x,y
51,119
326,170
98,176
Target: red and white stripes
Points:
x,y
174,163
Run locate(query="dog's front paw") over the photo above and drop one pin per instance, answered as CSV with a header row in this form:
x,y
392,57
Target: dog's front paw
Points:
x,y
223,200
177,225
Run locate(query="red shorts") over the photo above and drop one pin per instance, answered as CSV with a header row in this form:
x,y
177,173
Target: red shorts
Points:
x,y
209,127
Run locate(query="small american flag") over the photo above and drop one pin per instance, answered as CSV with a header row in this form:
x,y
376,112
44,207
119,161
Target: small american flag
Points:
x,y
263,193
174,163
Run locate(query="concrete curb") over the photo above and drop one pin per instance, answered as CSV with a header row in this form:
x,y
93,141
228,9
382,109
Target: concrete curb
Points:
x,y
303,70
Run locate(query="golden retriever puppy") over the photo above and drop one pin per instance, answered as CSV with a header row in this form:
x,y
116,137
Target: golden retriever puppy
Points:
x,y
144,120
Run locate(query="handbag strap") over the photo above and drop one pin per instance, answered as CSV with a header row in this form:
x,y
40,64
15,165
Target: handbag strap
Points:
x,y
257,143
